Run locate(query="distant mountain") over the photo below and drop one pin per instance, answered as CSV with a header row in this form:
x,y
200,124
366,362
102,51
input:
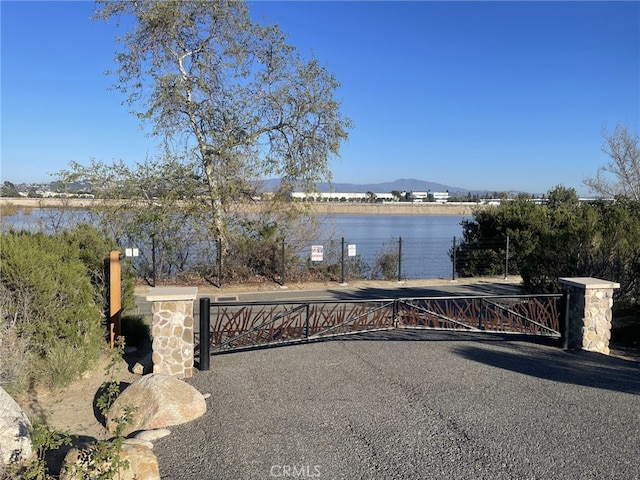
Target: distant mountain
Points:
x,y
271,185
403,184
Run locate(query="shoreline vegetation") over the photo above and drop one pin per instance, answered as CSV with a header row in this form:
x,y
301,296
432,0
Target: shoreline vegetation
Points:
x,y
321,208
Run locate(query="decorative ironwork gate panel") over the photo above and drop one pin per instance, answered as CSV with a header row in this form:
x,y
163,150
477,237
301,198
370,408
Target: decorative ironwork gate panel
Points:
x,y
537,315
237,325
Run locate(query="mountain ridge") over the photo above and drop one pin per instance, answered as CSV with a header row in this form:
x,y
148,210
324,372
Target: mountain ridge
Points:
x,y
272,184
401,184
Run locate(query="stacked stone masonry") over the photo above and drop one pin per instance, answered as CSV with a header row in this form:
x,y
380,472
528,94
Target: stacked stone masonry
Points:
x,y
589,313
172,331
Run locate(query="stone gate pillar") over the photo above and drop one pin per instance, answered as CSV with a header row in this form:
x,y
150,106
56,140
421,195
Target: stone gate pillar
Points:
x,y
590,304
172,330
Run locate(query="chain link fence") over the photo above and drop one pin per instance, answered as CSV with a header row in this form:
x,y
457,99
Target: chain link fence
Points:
x,y
343,259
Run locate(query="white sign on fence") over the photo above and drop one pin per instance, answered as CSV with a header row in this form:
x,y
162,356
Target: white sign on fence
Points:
x,y
351,250
316,253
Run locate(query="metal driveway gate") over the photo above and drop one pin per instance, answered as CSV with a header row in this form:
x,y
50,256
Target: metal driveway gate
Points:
x,y
243,325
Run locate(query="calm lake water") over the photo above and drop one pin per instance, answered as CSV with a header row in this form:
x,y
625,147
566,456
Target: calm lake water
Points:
x,y
426,240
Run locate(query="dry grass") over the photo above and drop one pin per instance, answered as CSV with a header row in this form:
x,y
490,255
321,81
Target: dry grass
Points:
x,y
14,359
7,209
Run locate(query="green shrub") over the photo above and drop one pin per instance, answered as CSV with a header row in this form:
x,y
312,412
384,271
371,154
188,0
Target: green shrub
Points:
x,y
15,357
93,249
330,268
561,238
255,250
52,304
625,328
135,331
386,263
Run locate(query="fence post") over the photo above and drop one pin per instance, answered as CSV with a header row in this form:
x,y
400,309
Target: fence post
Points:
x,y
506,261
219,261
153,259
282,278
306,322
453,270
205,333
399,259
342,263
564,320
395,312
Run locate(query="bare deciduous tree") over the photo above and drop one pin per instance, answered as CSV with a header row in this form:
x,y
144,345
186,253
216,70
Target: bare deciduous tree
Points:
x,y
621,176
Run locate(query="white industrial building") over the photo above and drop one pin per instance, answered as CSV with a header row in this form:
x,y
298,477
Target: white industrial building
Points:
x,y
438,197
344,196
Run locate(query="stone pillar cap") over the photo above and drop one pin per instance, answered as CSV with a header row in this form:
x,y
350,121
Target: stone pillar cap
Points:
x,y
161,294
588,282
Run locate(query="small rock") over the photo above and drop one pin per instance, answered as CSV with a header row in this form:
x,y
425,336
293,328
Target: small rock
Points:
x,y
138,441
206,395
144,366
151,435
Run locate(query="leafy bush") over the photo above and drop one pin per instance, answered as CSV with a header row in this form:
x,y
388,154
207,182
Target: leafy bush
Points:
x,y
562,238
135,331
331,266
51,304
625,328
482,251
14,347
254,250
93,249
386,263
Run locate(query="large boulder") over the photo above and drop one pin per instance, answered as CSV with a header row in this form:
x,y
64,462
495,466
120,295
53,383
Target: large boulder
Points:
x,y
15,442
142,464
158,401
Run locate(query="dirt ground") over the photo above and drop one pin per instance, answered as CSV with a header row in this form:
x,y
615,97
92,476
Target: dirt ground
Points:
x,y
72,409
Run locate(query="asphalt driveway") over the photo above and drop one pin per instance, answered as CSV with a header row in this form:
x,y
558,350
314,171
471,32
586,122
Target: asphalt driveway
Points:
x,y
401,404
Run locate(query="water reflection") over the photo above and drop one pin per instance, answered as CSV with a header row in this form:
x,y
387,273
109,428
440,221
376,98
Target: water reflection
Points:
x,y
426,239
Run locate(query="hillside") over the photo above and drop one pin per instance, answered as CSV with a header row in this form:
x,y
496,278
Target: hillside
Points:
x,y
270,185
402,184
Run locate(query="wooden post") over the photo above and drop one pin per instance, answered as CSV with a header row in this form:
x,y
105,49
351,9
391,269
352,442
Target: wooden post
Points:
x,y
115,302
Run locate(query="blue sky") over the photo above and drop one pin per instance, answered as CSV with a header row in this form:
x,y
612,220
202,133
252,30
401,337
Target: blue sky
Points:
x,y
477,95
